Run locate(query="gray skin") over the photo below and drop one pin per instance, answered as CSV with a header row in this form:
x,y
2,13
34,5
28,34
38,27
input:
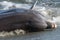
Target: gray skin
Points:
x,y
28,20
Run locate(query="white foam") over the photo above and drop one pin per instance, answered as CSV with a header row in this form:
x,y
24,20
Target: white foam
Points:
x,y
12,33
45,11
9,5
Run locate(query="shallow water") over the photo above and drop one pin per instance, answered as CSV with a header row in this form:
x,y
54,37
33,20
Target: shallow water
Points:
x,y
44,35
53,10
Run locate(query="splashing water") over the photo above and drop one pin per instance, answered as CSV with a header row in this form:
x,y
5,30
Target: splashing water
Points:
x,y
9,5
49,12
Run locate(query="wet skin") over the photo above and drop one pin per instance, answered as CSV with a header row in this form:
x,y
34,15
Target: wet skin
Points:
x,y
28,20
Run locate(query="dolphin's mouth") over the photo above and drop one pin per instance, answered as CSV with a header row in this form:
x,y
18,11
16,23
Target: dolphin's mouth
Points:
x,y
54,25
51,25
